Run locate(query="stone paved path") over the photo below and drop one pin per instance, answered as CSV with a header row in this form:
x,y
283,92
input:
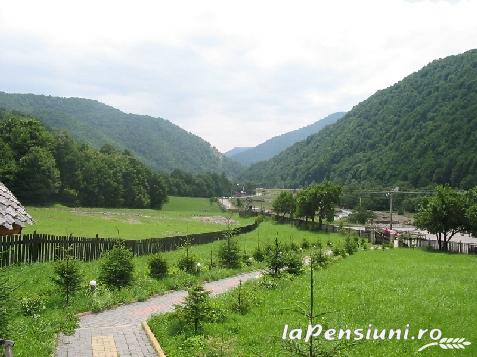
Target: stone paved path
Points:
x,y
118,332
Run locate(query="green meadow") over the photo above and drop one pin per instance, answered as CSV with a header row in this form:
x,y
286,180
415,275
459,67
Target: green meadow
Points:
x,y
35,335
180,216
385,288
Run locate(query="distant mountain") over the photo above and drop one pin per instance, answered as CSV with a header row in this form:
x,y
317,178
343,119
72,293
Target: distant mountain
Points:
x,y
236,150
159,143
277,144
419,132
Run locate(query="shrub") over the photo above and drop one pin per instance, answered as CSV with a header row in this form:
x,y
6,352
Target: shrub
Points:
x,y
350,246
305,244
276,260
259,219
32,306
187,263
117,267
259,255
196,308
242,300
320,259
67,277
247,259
294,263
229,253
157,266
364,244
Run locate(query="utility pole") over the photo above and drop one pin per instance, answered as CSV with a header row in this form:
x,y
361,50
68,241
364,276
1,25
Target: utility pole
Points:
x,y
390,195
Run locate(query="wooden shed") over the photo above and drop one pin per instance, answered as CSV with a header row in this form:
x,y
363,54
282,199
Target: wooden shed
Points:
x,y
13,216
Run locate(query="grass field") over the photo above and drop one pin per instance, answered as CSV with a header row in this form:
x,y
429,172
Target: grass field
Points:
x,y
388,289
181,215
35,336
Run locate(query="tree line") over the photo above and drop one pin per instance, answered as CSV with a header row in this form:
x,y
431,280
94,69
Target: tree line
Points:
x,y
315,200
42,167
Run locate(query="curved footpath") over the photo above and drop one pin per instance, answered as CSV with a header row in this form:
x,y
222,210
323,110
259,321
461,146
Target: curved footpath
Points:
x,y
119,332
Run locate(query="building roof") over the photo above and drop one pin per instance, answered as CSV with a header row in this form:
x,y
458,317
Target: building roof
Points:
x,y
11,211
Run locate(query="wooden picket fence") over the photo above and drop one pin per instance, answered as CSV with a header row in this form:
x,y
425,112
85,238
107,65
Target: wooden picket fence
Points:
x,y
32,248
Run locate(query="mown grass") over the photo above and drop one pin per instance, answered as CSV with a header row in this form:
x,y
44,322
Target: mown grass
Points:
x,y
180,216
35,336
388,289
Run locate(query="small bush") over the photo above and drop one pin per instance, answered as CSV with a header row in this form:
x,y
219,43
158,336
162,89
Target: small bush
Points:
x,y
157,266
196,308
259,219
320,259
305,244
276,259
67,277
242,300
350,246
117,267
229,253
32,306
188,264
258,255
294,263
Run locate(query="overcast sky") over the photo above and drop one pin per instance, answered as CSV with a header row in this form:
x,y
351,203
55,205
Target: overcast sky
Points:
x,y
233,72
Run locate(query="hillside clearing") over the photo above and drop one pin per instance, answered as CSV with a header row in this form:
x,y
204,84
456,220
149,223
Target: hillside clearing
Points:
x,y
180,216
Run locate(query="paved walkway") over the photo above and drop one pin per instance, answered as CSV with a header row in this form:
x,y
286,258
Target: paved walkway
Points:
x,y
118,332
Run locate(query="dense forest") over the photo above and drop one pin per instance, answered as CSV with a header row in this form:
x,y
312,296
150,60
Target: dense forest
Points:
x,y
277,144
41,167
420,132
157,142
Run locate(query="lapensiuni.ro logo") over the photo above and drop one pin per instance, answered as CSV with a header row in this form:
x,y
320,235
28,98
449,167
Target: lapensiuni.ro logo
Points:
x,y
373,333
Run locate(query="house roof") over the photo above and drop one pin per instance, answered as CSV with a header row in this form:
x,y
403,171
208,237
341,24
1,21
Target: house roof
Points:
x,y
11,211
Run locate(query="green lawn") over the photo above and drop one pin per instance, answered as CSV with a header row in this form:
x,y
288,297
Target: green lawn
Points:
x,y
388,289
36,336
181,215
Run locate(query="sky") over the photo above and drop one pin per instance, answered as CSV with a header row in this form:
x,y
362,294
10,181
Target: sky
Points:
x,y
233,72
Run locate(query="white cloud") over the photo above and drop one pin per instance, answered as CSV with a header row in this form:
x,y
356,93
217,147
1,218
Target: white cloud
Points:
x,y
235,73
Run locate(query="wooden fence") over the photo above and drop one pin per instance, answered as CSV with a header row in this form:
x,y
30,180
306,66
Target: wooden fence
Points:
x,y
31,248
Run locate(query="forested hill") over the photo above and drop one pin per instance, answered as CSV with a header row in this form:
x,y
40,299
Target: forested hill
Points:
x,y
277,144
43,167
159,143
420,131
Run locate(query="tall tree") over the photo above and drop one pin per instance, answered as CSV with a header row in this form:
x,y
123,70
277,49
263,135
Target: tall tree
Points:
x,y
327,196
443,214
38,178
284,203
305,204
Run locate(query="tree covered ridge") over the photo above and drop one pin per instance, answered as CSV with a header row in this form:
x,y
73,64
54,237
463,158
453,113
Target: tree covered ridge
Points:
x,y
157,142
41,167
419,132
277,144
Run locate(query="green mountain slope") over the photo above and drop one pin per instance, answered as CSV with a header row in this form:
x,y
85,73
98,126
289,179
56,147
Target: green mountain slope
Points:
x,y
420,131
277,144
157,142
237,150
